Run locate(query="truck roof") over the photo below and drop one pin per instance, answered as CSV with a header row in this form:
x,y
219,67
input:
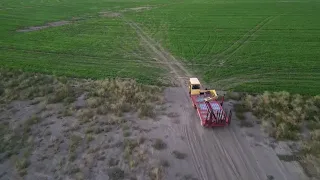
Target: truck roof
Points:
x,y
194,81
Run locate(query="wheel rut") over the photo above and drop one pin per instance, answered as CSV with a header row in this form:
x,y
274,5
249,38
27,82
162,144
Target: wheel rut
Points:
x,y
234,47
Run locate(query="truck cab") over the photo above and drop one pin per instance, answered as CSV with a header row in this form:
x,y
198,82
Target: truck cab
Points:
x,y
194,86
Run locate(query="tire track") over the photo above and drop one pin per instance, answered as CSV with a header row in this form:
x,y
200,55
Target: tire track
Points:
x,y
202,48
97,59
163,56
240,42
227,53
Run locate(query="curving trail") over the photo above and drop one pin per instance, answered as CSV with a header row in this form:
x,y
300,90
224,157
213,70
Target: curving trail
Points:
x,y
219,154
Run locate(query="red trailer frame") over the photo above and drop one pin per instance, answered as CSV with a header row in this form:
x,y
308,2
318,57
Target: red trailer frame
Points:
x,y
210,111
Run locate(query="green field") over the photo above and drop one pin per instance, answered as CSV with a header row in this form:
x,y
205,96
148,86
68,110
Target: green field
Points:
x,y
93,46
244,45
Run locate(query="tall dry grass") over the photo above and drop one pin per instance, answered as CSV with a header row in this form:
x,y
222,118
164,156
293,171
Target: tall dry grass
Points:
x,y
114,96
19,85
118,96
286,116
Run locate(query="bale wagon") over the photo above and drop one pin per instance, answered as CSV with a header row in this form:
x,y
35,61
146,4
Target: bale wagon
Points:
x,y
209,109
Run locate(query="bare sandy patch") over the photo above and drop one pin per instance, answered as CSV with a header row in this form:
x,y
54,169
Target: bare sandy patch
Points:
x,y
48,25
137,9
109,14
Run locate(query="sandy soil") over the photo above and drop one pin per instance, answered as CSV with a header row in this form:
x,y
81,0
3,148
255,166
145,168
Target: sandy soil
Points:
x,y
48,25
109,14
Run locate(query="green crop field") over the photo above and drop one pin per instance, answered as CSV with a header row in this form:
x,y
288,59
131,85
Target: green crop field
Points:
x,y
93,45
246,45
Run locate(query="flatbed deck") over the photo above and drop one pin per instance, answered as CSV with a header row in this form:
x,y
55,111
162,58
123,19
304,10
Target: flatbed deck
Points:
x,y
202,109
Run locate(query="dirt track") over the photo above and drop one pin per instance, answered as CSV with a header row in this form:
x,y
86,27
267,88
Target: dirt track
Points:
x,y
222,153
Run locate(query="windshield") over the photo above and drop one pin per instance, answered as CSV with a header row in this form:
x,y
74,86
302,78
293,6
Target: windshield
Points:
x,y
196,86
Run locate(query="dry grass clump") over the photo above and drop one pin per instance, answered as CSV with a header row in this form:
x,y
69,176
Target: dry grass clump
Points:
x,y
233,95
15,138
63,93
75,142
129,146
146,110
156,173
311,154
311,165
85,115
21,166
164,163
283,114
113,96
159,144
179,155
19,85
116,173
240,109
117,96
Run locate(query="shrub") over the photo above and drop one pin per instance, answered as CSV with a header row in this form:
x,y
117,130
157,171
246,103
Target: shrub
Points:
x,y
284,111
164,163
94,102
146,110
233,95
61,93
179,155
155,174
1,89
159,144
116,173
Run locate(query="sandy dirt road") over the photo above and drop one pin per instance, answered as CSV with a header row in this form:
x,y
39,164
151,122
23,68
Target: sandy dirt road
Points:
x,y
220,153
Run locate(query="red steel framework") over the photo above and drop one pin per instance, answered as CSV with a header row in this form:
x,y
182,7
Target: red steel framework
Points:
x,y
210,111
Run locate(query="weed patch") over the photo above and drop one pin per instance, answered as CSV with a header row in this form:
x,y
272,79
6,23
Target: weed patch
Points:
x,y
130,145
233,95
17,138
283,114
21,166
116,173
146,111
155,173
179,155
164,163
245,123
126,133
159,144
113,162
75,142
